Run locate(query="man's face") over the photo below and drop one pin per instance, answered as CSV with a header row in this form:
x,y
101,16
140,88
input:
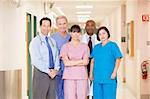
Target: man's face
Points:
x,y
45,27
62,25
90,28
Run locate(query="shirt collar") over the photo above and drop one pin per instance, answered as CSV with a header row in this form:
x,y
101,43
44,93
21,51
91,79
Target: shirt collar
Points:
x,y
42,36
93,36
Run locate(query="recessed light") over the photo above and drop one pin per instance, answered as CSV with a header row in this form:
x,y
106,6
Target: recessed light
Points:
x,y
83,16
83,19
83,12
84,6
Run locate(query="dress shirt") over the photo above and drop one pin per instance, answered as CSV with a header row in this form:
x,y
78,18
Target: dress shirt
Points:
x,y
85,39
40,55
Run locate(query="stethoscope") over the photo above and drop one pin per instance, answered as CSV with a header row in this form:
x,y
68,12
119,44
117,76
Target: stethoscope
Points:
x,y
44,42
53,45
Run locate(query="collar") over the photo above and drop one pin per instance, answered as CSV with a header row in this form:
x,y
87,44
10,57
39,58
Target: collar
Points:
x,y
92,37
42,37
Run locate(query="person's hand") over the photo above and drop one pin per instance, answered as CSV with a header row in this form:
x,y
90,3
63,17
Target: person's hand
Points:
x,y
113,75
55,72
91,77
52,73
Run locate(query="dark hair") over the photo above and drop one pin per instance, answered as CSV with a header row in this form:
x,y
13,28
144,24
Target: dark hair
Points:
x,y
75,28
92,21
102,28
45,18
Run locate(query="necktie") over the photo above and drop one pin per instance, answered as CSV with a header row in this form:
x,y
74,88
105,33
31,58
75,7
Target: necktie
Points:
x,y
90,47
51,61
90,44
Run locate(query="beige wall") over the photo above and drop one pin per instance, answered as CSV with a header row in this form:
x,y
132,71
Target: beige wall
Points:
x,y
135,9
143,37
12,31
131,67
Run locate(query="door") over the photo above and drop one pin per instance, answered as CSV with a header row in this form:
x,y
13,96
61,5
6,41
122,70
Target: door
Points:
x,y
29,66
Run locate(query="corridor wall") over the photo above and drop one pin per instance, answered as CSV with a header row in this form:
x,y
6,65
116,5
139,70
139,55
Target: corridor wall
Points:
x,y
13,39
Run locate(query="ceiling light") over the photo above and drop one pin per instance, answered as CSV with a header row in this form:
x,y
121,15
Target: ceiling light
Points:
x,y
83,16
82,19
84,6
83,12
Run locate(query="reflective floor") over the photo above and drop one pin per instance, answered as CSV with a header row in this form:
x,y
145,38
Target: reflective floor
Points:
x,y
123,92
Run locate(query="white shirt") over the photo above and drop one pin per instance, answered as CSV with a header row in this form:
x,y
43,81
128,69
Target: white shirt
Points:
x,y
85,39
39,53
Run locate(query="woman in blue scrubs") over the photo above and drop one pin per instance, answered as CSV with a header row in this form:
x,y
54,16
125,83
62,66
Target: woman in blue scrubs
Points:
x,y
106,58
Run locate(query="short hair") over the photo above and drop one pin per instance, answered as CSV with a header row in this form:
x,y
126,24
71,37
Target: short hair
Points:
x,y
102,28
75,28
45,18
61,17
90,21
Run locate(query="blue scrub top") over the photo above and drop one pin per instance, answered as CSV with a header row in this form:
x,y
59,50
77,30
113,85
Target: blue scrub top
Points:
x,y
104,61
60,41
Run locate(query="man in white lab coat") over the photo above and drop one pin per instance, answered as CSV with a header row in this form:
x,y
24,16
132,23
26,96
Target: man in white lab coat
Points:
x,y
90,38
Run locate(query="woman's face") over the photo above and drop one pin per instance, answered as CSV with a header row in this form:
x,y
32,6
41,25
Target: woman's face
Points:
x,y
103,35
75,35
62,25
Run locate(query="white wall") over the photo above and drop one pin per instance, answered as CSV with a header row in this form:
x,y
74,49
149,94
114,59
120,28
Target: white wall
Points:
x,y
12,36
131,67
113,22
1,27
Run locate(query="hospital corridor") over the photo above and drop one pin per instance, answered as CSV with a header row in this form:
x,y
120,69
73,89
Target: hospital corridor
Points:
x,y
128,22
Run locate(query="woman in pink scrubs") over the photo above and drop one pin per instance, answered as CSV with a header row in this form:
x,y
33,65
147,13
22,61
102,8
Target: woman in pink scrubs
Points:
x,y
76,57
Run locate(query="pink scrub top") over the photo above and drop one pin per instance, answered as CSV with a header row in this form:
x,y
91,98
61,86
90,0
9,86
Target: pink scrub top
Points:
x,y
75,53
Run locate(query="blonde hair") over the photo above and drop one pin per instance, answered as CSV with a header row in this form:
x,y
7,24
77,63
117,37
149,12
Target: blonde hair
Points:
x,y
61,17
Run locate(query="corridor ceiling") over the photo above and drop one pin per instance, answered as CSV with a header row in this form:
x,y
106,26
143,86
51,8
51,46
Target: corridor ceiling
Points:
x,y
96,9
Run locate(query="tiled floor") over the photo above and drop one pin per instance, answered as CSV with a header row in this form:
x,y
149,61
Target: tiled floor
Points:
x,y
123,92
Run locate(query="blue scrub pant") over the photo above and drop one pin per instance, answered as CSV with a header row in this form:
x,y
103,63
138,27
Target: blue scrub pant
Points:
x,y
59,87
104,90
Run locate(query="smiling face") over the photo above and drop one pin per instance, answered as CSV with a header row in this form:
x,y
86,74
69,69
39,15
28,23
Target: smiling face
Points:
x,y
103,35
75,32
45,27
62,24
75,35
90,27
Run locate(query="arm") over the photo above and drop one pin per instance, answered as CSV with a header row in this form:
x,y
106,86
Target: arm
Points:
x,y
54,71
84,62
91,69
81,62
85,57
68,62
114,74
57,65
57,61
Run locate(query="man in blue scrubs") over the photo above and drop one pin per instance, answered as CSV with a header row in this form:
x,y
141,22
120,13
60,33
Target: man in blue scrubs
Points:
x,y
61,37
